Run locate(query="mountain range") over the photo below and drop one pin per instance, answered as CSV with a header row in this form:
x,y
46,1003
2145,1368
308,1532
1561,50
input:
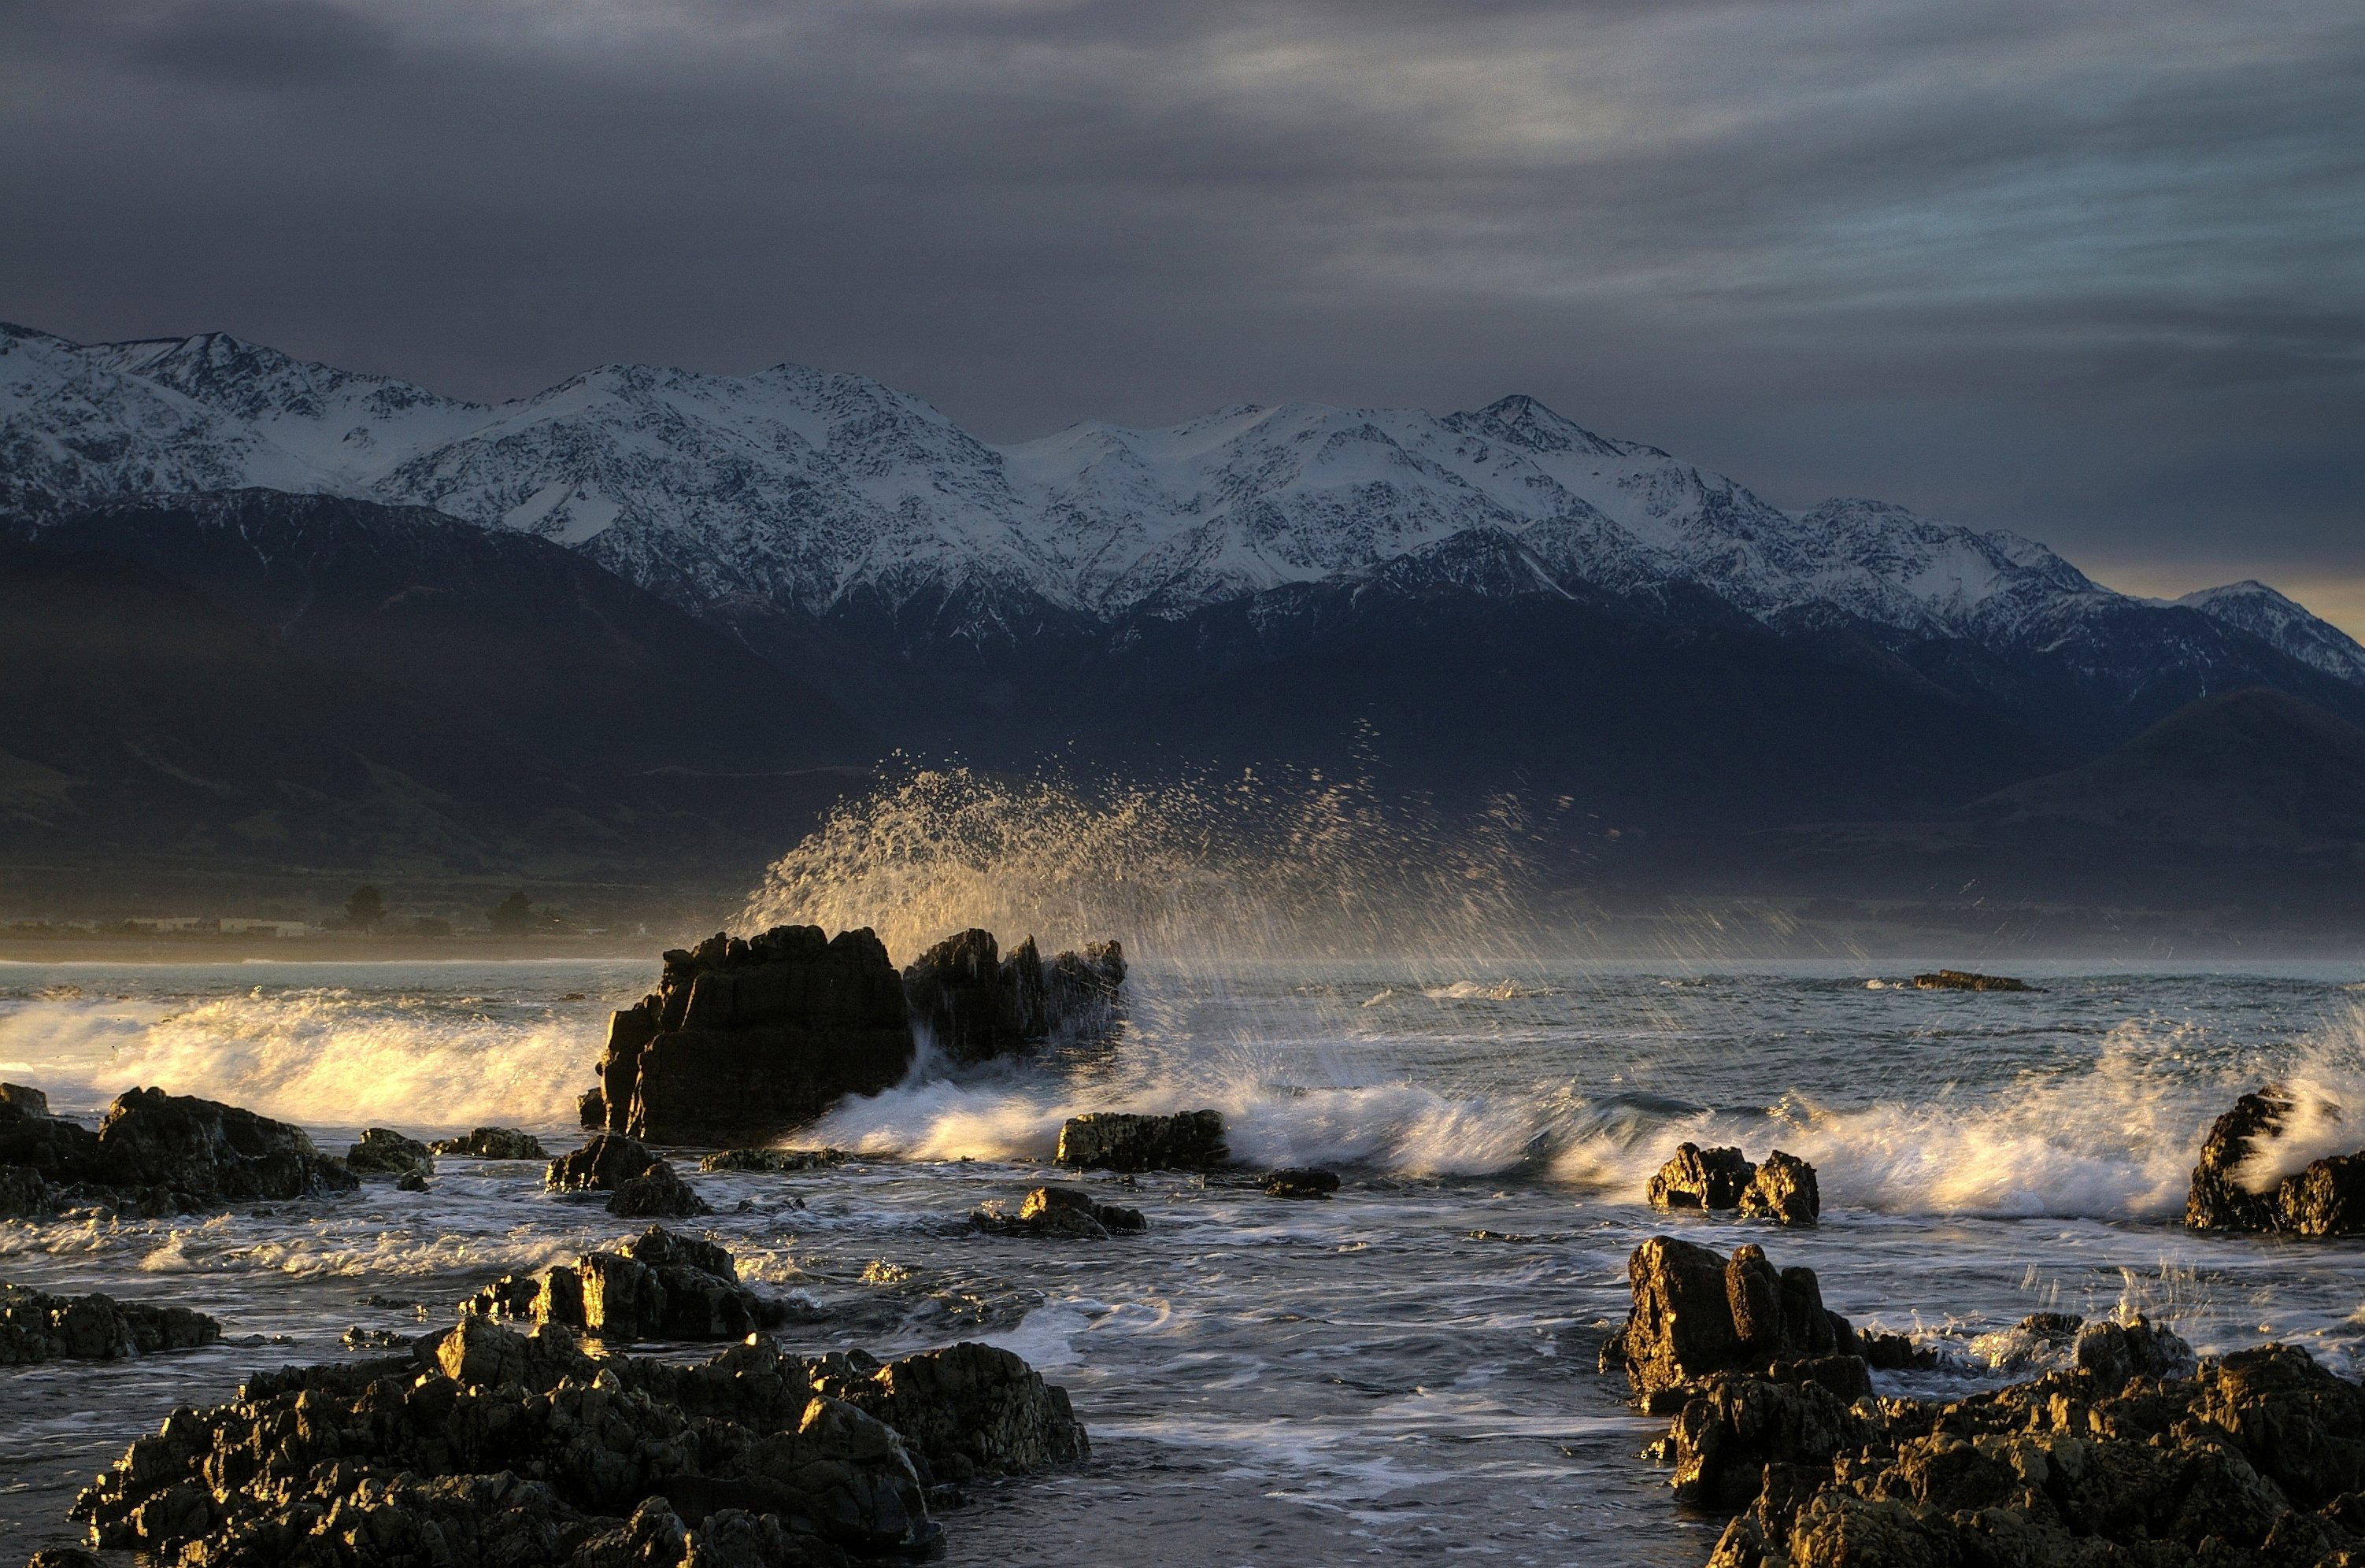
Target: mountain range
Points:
x,y
1489,601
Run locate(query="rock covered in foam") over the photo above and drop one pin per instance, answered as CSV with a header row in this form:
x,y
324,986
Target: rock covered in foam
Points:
x,y
34,1326
2229,1190
156,1154
1121,1140
489,1447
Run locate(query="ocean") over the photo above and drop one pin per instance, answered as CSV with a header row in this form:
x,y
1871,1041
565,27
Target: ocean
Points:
x,y
1407,1371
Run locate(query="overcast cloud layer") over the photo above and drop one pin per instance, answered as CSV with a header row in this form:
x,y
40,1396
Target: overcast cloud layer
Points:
x,y
2094,271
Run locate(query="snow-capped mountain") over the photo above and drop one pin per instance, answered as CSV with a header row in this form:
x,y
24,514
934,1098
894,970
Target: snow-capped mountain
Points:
x,y
817,495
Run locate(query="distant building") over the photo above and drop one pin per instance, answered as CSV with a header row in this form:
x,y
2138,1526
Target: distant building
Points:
x,y
170,922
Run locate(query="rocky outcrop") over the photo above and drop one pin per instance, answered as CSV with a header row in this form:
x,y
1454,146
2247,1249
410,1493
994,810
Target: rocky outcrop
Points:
x,y
975,1004
488,1446
1782,1189
659,1286
155,1154
1067,1213
1120,1140
773,1160
1697,1312
2325,1197
605,1163
656,1193
1300,1181
745,1040
2256,1461
493,1143
385,1152
1965,980
39,1327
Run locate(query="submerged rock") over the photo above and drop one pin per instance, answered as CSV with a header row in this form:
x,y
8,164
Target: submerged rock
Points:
x,y
385,1152
156,1154
976,1005
773,1160
656,1193
34,1326
1782,1189
491,1448
1966,979
1120,1140
1062,1213
745,1040
604,1163
1698,1313
1301,1181
493,1143
660,1286
2230,1190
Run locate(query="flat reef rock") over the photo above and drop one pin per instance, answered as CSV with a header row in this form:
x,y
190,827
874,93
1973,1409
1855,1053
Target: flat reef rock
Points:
x,y
975,1004
1123,1140
154,1154
2324,1197
745,1040
34,1326
1968,979
489,1447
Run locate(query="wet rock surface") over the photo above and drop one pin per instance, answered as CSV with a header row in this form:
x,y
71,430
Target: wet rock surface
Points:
x,y
1698,1313
1782,1188
1121,1140
745,1041
1067,1213
779,1159
657,1193
385,1152
1968,979
975,1004
605,1163
1300,1181
155,1154
2230,1192
492,1143
487,1445
34,1326
660,1285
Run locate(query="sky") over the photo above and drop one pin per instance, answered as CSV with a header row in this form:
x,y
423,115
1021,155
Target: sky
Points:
x,y
2092,270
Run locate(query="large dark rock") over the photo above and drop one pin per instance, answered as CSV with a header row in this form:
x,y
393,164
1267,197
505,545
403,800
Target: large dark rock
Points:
x,y
752,1460
660,1286
2327,1197
493,1143
39,1327
1697,1312
974,1004
656,1193
156,1153
605,1163
745,1040
385,1152
1782,1189
1121,1140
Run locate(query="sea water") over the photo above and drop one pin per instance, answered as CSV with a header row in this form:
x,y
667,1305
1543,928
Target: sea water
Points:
x,y
1409,1370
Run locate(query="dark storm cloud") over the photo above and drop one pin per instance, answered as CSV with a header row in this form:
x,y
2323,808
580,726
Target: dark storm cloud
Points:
x,y
2088,270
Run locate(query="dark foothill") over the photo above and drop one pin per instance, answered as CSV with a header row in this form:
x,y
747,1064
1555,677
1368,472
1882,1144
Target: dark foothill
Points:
x,y
1060,1213
1965,980
488,1447
604,1163
385,1152
659,1286
34,1326
1301,1181
1782,1189
1697,1312
2325,1197
656,1193
155,1154
975,1004
493,1143
745,1041
1120,1140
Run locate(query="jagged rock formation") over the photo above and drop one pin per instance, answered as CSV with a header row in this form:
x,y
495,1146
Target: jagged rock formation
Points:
x,y
1065,1213
656,1193
1782,1189
493,1143
975,1004
490,1447
385,1152
1300,1181
2325,1197
1697,1312
660,1286
34,1326
747,1039
1123,1140
605,1163
155,1154
1965,980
